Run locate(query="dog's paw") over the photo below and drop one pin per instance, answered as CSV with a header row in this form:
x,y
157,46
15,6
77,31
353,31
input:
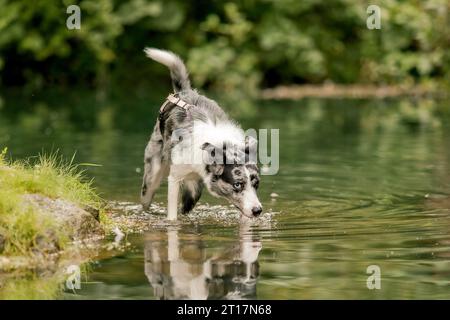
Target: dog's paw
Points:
x,y
145,206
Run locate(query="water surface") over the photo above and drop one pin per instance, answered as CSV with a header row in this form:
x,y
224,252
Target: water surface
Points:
x,y
360,183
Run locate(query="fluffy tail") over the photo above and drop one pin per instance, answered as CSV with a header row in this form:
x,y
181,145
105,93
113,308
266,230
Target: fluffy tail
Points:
x,y
178,71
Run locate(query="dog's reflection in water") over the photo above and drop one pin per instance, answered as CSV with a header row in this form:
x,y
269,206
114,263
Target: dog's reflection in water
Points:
x,y
180,266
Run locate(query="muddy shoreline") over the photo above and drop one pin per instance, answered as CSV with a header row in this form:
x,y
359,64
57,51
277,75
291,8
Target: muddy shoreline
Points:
x,y
354,91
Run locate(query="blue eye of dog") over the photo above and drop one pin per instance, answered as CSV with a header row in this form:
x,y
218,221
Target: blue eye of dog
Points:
x,y
237,185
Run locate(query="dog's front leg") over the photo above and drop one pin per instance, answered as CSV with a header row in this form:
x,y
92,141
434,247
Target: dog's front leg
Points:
x,y
172,198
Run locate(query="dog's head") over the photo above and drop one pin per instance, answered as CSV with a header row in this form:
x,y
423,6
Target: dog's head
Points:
x,y
232,173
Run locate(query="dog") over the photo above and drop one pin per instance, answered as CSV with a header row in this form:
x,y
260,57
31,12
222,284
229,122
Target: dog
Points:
x,y
195,144
179,265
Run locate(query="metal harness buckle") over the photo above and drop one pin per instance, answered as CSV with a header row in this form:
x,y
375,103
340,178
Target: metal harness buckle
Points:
x,y
172,98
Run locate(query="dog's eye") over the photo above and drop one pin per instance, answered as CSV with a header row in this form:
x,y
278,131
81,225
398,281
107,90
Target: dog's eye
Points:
x,y
237,185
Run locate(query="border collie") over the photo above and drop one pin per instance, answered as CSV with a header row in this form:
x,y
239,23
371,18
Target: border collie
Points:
x,y
196,145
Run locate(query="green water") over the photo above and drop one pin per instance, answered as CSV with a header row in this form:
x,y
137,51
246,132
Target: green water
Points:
x,y
360,183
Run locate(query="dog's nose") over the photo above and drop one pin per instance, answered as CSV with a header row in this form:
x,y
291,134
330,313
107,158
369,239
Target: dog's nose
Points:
x,y
256,211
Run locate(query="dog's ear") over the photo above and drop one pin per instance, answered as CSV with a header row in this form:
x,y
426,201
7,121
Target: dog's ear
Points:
x,y
251,147
214,152
213,157
215,169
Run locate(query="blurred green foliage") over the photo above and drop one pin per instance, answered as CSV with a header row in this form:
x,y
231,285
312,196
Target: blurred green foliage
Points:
x,y
227,44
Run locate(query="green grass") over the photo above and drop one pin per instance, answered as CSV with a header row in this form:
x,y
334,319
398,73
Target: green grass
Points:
x,y
32,288
47,175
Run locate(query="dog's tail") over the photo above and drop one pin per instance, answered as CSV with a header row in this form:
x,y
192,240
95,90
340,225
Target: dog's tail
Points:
x,y
178,71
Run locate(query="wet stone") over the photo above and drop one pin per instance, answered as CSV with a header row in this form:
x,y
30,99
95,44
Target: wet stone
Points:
x,y
74,221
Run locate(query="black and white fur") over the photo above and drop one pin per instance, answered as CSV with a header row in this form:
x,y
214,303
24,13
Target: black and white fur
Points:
x,y
207,134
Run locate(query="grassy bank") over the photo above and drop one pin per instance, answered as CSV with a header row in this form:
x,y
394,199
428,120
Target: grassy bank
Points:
x,y
23,227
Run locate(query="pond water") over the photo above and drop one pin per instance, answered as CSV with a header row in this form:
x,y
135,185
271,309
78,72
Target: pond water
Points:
x,y
360,183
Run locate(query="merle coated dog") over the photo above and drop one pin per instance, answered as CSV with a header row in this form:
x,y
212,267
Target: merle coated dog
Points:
x,y
195,144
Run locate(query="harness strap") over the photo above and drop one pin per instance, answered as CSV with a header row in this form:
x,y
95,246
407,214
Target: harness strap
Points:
x,y
172,98
175,100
